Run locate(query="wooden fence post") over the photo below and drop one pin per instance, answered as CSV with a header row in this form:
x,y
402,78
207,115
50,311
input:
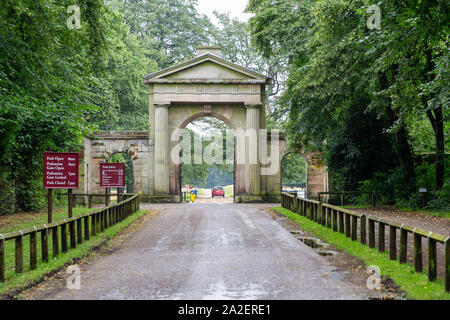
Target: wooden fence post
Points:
x,y
110,211
447,264
19,252
418,264
73,239
94,224
392,243
98,221
55,244
363,229
79,231
341,222
44,244
50,205
33,249
2,258
335,220
70,202
328,213
324,214
107,197
371,233
102,220
347,225
354,228
381,236
86,228
64,236
432,268
403,245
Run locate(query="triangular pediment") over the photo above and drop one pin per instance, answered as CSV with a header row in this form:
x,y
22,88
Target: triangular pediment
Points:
x,y
207,67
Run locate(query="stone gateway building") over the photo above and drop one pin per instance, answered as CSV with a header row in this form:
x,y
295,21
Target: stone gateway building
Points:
x,y
206,86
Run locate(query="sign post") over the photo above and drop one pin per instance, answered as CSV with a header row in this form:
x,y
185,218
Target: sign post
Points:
x,y
112,175
60,172
423,191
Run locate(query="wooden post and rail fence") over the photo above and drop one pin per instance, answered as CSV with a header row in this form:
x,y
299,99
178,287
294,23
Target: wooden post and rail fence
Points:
x,y
65,235
343,195
346,221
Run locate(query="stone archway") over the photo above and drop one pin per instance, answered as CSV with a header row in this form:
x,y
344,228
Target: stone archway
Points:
x,y
206,86
316,174
176,171
100,146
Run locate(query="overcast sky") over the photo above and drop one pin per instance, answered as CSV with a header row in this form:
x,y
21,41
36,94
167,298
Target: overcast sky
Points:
x,y
235,7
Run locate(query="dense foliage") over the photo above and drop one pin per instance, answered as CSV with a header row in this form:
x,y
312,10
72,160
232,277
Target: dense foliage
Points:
x,y
58,83
373,100
293,170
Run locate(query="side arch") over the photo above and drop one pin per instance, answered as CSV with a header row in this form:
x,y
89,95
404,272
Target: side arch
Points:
x,y
99,147
282,158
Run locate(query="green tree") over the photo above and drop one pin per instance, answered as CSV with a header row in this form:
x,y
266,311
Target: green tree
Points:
x,y
338,67
172,29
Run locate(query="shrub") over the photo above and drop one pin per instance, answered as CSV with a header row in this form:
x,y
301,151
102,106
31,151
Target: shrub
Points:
x,y
7,197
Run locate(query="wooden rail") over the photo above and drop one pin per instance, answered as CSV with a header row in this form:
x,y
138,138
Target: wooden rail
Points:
x,y
93,223
346,221
344,193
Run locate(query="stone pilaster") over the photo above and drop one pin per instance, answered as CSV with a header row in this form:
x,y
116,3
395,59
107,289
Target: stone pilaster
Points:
x,y
252,168
161,173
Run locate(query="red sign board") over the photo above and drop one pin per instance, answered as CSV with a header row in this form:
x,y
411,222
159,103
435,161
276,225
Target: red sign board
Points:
x,y
112,175
61,170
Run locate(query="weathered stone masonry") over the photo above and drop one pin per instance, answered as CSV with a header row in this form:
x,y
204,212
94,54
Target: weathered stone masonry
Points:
x,y
204,86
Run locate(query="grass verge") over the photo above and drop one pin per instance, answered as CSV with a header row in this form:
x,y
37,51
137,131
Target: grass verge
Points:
x,y
17,283
416,285
432,213
356,206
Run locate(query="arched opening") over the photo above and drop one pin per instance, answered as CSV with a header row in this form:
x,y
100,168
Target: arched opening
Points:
x,y
208,166
123,157
294,173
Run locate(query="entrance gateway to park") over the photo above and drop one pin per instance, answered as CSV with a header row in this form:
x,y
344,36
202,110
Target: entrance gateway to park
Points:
x,y
206,86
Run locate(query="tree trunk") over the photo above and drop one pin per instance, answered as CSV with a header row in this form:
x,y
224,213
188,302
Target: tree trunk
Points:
x,y
400,141
437,122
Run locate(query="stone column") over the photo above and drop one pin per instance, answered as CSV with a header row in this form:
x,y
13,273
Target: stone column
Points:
x,y
161,173
253,171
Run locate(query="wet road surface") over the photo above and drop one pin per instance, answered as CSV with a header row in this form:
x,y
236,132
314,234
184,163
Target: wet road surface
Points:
x,y
208,251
